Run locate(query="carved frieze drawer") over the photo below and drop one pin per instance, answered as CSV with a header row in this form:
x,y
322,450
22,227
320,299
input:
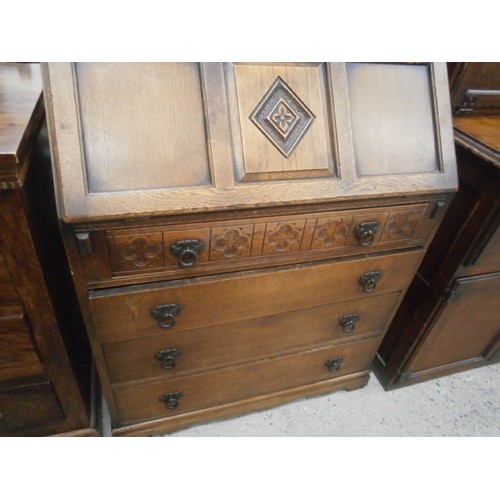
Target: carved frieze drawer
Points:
x,y
195,249
218,387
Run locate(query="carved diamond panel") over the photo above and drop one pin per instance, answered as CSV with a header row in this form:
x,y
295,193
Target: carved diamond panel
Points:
x,y
282,117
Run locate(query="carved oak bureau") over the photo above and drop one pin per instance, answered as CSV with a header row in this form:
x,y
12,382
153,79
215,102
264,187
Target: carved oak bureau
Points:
x,y
242,234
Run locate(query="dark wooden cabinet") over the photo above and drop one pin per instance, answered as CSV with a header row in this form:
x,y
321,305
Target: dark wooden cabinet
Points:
x,y
450,320
242,234
44,358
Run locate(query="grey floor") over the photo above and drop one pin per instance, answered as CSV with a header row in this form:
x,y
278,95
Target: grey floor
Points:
x,y
464,404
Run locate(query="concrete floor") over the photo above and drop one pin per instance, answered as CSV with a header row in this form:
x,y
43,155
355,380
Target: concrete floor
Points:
x,y
464,404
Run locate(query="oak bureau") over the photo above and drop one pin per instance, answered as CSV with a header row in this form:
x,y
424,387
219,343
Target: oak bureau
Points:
x,y
241,234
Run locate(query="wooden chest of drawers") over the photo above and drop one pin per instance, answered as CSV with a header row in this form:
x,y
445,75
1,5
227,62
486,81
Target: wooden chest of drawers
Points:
x,y
44,354
242,234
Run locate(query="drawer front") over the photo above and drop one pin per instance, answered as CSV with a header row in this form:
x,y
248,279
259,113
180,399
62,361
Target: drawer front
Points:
x,y
28,409
179,353
18,356
194,249
8,294
138,311
241,382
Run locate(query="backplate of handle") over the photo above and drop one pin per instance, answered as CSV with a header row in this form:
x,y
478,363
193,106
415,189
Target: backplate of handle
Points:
x,y
165,314
368,281
348,322
171,399
366,231
187,252
168,357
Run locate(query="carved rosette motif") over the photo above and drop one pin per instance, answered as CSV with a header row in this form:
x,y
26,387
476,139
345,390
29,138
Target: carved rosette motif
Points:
x,y
140,252
282,117
400,225
333,232
284,238
231,242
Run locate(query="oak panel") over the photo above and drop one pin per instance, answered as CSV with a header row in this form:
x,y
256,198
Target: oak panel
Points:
x,y
393,119
29,410
18,356
142,125
282,104
469,323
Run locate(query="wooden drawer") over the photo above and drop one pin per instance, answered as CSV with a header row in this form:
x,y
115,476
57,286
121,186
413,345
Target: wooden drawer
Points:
x,y
29,409
244,341
127,313
18,356
242,382
222,246
8,294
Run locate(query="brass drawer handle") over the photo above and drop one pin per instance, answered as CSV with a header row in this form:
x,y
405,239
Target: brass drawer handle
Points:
x,y
334,364
348,322
187,252
369,280
171,399
165,314
168,358
366,231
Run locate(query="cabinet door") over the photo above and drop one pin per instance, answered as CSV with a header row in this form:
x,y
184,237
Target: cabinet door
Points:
x,y
144,138
468,328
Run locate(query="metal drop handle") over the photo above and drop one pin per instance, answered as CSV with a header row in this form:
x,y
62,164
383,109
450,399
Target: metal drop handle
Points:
x,y
334,364
165,314
348,322
366,232
368,281
168,358
187,252
171,399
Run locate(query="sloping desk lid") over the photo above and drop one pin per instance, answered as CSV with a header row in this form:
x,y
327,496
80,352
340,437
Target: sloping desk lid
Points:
x,y
135,139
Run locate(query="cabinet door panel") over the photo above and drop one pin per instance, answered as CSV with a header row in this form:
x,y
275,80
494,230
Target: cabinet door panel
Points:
x,y
468,326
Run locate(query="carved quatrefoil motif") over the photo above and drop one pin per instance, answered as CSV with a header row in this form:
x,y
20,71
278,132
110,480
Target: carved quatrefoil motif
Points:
x,y
282,117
